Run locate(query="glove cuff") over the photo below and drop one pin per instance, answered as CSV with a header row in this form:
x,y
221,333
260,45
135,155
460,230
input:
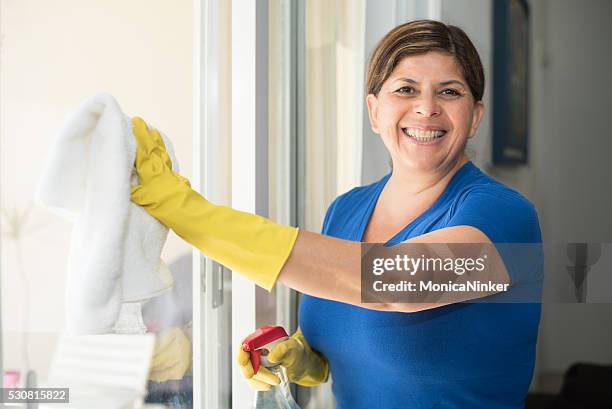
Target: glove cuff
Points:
x,y
317,371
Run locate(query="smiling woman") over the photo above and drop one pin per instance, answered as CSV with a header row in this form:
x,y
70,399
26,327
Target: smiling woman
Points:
x,y
425,86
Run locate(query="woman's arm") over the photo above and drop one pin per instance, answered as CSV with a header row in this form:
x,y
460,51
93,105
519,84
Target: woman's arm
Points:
x,y
258,248
330,268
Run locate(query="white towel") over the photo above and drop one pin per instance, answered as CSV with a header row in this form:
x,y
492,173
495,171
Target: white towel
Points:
x,y
115,246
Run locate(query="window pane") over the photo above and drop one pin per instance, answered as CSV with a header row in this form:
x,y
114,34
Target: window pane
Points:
x,y
54,55
332,117
334,102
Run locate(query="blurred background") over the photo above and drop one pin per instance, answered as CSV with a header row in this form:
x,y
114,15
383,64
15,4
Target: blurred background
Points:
x,y
546,133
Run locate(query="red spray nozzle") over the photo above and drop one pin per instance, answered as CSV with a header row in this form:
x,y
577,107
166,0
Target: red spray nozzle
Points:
x,y
260,338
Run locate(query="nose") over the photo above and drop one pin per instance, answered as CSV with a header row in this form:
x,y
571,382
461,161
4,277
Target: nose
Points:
x,y
427,106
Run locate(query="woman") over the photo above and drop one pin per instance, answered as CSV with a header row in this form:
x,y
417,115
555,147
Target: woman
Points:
x,y
425,84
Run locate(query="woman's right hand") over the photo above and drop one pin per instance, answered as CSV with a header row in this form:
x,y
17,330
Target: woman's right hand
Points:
x,y
157,182
248,243
303,365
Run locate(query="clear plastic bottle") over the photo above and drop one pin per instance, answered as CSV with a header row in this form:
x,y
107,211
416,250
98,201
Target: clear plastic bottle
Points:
x,y
259,344
279,397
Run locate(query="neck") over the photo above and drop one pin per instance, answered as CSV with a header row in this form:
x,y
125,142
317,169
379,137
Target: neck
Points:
x,y
410,183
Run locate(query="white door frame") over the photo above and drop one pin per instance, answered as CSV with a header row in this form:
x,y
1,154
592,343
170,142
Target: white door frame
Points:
x,y
232,153
211,177
249,157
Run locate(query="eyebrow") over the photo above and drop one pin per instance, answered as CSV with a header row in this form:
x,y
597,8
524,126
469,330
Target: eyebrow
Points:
x,y
411,81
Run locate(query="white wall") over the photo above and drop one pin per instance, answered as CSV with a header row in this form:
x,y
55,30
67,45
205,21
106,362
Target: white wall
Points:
x,y
572,163
568,174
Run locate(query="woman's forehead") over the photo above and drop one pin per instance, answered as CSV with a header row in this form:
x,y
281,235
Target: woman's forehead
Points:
x,y
434,66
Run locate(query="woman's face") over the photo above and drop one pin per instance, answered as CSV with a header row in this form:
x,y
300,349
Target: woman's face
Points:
x,y
425,113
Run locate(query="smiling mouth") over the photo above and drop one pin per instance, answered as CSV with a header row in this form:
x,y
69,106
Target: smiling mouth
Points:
x,y
423,135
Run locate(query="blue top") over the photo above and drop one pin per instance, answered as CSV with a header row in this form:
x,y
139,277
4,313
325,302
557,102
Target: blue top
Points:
x,y
463,355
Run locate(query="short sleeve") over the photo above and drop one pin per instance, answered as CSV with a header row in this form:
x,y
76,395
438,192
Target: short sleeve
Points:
x,y
510,221
504,215
329,215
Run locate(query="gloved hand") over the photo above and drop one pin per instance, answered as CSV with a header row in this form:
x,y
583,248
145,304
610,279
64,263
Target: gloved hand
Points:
x,y
303,365
172,356
246,243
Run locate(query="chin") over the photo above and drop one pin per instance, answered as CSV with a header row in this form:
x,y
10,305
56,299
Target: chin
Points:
x,y
421,159
420,165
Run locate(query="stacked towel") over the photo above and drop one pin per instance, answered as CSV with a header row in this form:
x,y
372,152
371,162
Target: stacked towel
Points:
x,y
115,246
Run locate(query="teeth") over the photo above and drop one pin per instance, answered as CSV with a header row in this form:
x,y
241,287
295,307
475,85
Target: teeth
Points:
x,y
422,135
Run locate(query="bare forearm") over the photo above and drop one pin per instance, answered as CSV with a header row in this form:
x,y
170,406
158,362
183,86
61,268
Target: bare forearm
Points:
x,y
325,267
330,268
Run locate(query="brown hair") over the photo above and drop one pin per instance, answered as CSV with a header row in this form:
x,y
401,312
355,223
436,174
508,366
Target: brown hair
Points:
x,y
419,37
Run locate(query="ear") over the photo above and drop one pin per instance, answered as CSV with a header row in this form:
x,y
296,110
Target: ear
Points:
x,y
372,102
477,115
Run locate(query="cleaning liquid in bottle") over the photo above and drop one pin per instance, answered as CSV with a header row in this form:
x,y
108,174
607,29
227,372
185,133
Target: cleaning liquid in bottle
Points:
x,y
279,397
258,344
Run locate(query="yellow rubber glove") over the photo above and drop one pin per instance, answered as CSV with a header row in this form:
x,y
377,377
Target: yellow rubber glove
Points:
x,y
246,243
171,357
303,365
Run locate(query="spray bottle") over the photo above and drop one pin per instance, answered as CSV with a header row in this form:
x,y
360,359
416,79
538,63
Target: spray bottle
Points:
x,y
259,344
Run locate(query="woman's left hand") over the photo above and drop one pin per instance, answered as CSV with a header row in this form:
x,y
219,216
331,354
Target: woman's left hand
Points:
x,y
304,366
172,356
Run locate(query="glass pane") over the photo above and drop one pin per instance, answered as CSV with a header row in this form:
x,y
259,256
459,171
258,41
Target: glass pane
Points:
x,y
54,55
334,101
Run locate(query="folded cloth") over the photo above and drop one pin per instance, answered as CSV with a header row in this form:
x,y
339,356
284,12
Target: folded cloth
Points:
x,y
115,246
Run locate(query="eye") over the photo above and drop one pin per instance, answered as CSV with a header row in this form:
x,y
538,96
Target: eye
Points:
x,y
451,92
405,90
